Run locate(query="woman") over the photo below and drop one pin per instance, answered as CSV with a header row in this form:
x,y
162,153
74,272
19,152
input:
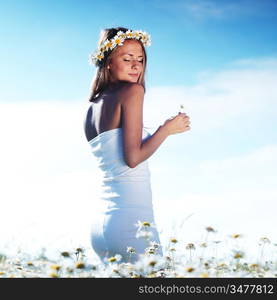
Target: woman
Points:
x,y
114,129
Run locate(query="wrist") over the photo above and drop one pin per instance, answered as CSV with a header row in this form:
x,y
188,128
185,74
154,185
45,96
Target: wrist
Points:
x,y
164,130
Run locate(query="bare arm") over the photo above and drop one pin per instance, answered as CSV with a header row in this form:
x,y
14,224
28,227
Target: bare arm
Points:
x,y
136,151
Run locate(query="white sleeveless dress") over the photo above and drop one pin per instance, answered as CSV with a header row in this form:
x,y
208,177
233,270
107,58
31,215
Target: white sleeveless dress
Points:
x,y
126,198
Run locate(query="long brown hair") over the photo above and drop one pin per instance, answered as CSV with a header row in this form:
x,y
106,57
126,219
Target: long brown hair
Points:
x,y
102,78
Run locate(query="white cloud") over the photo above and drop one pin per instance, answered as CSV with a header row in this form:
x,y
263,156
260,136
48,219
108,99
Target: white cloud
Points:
x,y
246,90
200,9
222,10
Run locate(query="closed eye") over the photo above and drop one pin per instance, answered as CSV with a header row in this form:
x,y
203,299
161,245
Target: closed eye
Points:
x,y
141,61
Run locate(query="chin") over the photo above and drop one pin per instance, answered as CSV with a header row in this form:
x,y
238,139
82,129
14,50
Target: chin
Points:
x,y
135,80
128,80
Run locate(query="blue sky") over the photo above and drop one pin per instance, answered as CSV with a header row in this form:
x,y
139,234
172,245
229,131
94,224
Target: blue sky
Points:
x,y
217,58
54,38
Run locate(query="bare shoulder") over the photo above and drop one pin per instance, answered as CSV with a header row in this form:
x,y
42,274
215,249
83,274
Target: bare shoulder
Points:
x,y
131,85
130,90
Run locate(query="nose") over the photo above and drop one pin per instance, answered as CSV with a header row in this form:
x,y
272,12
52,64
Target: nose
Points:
x,y
136,64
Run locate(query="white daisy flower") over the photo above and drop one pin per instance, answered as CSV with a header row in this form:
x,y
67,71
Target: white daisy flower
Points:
x,y
129,34
94,57
117,41
113,259
91,60
150,250
137,35
131,250
154,244
107,45
121,34
99,55
148,263
143,224
146,39
148,43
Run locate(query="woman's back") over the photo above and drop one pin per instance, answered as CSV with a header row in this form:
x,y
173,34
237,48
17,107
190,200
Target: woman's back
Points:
x,y
104,114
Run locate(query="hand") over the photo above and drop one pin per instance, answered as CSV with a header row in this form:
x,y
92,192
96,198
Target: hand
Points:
x,y
177,124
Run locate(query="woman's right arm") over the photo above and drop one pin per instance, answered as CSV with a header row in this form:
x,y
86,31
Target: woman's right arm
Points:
x,y
136,151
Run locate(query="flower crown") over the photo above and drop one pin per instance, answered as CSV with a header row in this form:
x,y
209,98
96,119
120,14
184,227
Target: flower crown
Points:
x,y
97,56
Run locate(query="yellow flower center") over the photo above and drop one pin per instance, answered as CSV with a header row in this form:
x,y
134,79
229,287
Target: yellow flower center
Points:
x,y
55,267
190,269
108,45
146,224
112,259
80,265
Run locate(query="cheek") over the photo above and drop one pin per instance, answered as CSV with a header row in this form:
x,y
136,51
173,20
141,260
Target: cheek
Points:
x,y
124,67
121,68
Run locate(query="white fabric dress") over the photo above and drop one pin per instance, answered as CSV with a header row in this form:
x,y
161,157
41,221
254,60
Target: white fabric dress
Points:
x,y
126,198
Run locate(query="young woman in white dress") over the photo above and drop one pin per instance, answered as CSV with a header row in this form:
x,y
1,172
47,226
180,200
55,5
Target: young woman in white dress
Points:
x,y
113,127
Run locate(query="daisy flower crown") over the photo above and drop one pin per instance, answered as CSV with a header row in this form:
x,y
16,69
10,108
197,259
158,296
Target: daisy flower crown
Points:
x,y
97,57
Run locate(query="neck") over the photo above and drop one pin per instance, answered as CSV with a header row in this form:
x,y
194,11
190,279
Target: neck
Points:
x,y
113,86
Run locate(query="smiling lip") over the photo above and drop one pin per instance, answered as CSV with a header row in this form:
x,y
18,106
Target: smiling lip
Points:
x,y
135,75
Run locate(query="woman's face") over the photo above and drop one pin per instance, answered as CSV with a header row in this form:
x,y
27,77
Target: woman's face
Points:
x,y
127,62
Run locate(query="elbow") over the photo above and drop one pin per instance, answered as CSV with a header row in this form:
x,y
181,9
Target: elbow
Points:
x,y
131,163
131,166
